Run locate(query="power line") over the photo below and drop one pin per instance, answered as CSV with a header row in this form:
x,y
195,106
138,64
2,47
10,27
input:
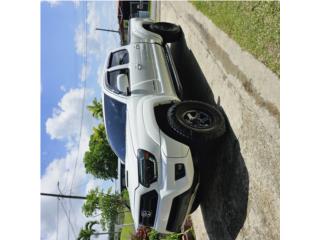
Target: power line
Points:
x,y
107,30
57,229
76,67
65,211
83,102
68,218
83,99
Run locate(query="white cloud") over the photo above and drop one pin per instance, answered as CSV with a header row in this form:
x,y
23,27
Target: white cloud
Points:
x,y
53,3
100,74
101,15
93,183
76,3
66,119
85,71
98,43
68,170
93,20
64,171
79,39
62,88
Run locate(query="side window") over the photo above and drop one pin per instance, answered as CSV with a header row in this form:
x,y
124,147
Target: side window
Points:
x,y
111,80
119,58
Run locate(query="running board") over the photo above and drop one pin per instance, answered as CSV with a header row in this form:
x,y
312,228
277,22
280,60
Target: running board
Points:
x,y
174,74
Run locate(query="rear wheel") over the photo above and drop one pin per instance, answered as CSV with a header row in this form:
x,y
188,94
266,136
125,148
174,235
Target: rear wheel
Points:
x,y
168,31
196,122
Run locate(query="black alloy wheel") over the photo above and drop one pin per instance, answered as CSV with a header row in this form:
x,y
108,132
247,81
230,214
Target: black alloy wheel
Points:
x,y
195,121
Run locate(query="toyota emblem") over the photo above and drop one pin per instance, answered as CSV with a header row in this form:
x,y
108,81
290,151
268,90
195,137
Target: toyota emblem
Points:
x,y
146,213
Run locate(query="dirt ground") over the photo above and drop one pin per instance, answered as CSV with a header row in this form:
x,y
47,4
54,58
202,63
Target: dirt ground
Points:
x,y
241,193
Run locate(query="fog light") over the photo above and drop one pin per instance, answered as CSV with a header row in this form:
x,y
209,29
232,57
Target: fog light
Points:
x,y
179,171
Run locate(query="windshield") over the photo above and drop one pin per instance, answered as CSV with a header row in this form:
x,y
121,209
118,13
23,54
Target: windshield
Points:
x,y
115,122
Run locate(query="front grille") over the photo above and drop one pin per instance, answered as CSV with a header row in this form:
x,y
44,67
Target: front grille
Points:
x,y
148,208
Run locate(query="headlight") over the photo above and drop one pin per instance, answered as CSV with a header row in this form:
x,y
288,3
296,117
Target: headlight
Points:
x,y
147,166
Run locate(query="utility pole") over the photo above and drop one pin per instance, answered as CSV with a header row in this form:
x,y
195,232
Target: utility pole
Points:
x,y
62,196
107,30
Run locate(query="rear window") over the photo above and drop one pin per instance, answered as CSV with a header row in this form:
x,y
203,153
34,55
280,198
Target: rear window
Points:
x,y
119,58
115,122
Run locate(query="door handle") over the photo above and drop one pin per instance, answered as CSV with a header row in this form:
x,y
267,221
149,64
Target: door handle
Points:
x,y
138,66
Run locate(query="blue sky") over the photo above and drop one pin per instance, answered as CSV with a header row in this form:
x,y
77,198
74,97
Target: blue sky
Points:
x,y
59,67
66,29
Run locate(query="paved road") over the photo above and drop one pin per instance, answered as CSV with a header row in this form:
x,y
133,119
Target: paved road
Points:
x,y
240,173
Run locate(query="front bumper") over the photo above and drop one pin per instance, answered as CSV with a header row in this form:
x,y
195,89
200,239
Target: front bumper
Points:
x,y
175,196
179,210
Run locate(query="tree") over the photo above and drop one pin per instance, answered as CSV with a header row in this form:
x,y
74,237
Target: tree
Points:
x,y
96,109
100,160
108,204
86,232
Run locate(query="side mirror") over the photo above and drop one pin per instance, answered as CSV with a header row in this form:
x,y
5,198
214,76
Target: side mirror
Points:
x,y
123,83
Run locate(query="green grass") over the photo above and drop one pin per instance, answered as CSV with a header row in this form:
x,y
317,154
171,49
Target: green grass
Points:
x,y
149,7
254,25
127,230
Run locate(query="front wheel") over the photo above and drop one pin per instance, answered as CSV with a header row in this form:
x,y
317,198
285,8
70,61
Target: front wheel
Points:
x,y
195,121
168,31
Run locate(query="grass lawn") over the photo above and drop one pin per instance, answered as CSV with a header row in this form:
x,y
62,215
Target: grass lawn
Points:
x,y
254,25
149,7
127,230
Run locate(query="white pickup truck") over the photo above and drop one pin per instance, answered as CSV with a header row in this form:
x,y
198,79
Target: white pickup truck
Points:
x,y
151,128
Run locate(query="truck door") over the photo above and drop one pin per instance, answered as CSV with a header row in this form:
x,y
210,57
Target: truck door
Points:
x,y
142,68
